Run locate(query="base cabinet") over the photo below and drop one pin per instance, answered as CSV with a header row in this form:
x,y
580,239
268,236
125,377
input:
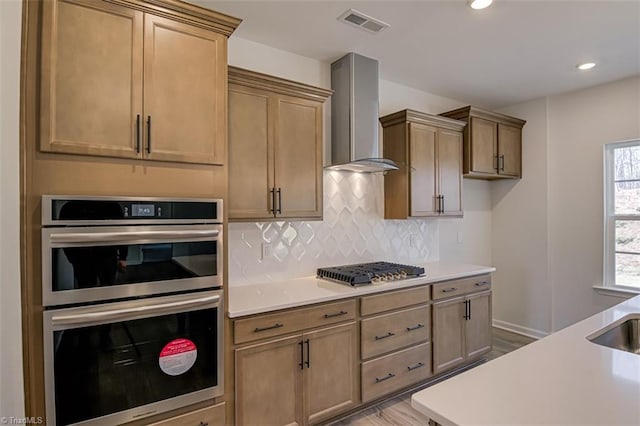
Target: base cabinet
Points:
x,y
461,330
210,416
298,380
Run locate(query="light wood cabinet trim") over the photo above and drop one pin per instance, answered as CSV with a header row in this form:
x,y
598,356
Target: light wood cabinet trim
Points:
x,y
448,334
454,288
331,380
403,365
281,323
449,153
384,302
510,150
279,85
187,13
465,112
413,116
396,184
478,327
211,416
423,183
389,332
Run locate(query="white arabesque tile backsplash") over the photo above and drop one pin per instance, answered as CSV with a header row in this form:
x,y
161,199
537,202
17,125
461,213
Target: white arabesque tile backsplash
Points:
x,y
353,230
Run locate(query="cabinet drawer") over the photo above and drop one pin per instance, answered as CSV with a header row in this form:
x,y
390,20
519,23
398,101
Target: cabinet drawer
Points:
x,y
460,287
246,330
387,333
210,416
395,371
394,300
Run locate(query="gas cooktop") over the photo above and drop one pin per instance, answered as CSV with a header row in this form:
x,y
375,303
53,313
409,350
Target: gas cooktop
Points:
x,y
367,273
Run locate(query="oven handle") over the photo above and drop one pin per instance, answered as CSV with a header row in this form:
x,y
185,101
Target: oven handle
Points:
x,y
117,314
129,236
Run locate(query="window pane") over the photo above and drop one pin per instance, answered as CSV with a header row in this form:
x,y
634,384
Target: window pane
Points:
x,y
627,163
628,270
628,236
627,197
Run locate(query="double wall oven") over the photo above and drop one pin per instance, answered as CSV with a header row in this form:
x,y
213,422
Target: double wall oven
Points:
x,y
133,320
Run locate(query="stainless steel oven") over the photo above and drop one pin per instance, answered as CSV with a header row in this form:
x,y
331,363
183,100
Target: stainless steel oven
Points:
x,y
133,306
112,363
104,248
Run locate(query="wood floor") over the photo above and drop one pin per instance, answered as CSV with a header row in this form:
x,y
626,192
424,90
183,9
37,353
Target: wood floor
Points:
x,y
398,411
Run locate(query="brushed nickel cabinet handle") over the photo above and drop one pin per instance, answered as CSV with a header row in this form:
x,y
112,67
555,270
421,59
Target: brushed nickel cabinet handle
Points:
x,y
387,377
389,334
273,327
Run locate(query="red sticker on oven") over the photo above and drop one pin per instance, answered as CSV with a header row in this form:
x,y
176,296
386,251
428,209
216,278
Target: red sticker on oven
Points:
x,y
177,357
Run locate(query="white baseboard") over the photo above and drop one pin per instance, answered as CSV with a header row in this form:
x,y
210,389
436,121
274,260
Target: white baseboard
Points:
x,y
514,328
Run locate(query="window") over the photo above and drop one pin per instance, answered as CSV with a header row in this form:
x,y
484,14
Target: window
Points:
x,y
622,215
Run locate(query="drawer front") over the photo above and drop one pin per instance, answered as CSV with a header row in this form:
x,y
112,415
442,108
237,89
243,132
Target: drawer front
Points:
x,y
460,287
394,300
210,416
387,333
270,325
395,371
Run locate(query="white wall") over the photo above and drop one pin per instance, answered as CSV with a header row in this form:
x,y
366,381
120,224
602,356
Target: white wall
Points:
x,y
548,226
11,381
579,124
437,239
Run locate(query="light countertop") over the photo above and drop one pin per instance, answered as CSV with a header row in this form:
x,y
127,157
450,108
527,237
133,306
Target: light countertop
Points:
x,y
260,298
562,379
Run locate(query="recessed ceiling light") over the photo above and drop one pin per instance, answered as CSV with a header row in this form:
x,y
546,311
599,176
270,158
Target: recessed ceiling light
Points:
x,y
479,4
586,66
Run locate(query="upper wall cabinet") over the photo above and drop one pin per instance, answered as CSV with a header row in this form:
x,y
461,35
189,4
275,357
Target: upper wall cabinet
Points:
x,y
275,148
428,149
122,81
492,143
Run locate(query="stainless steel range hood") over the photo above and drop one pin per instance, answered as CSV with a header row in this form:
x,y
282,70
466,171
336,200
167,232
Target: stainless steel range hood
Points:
x,y
354,116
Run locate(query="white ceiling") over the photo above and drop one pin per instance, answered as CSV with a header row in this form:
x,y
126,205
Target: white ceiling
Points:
x,y
514,51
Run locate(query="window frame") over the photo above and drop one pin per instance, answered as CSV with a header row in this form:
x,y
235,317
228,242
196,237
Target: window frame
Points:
x,y
610,218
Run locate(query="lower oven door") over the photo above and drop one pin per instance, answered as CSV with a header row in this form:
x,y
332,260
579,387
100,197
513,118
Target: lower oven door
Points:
x,y
113,363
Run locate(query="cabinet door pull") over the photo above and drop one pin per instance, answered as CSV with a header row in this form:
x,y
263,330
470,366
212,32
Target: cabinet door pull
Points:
x,y
496,161
482,283
301,363
389,334
276,325
437,204
280,200
308,361
442,204
272,210
449,290
413,367
138,133
204,424
387,377
466,310
469,304
416,327
501,158
148,134
338,314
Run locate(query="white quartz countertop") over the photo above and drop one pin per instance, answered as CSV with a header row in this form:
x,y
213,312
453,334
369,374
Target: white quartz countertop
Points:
x,y
562,379
260,298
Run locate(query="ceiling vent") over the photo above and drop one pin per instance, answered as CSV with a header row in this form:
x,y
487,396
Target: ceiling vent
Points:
x,y
358,19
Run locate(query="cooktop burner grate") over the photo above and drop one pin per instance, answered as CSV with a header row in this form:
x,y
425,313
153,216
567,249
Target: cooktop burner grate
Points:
x,y
367,273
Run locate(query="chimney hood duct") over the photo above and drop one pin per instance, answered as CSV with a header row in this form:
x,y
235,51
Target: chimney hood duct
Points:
x,y
354,116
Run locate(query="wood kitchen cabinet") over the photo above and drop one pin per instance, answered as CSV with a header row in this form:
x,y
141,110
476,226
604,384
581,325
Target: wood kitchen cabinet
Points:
x,y
461,324
299,378
122,81
492,143
275,147
428,150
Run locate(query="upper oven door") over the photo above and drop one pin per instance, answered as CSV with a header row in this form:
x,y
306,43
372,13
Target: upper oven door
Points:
x,y
88,264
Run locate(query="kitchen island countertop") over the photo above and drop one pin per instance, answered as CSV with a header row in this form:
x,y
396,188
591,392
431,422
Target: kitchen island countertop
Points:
x,y
260,298
562,379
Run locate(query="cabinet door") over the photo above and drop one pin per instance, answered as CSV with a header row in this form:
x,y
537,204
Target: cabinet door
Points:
x,y
250,154
298,158
483,146
478,326
269,383
331,380
422,161
448,334
450,171
91,81
185,92
510,150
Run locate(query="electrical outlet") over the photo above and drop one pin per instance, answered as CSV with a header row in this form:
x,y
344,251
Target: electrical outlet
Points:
x,y
267,251
412,240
